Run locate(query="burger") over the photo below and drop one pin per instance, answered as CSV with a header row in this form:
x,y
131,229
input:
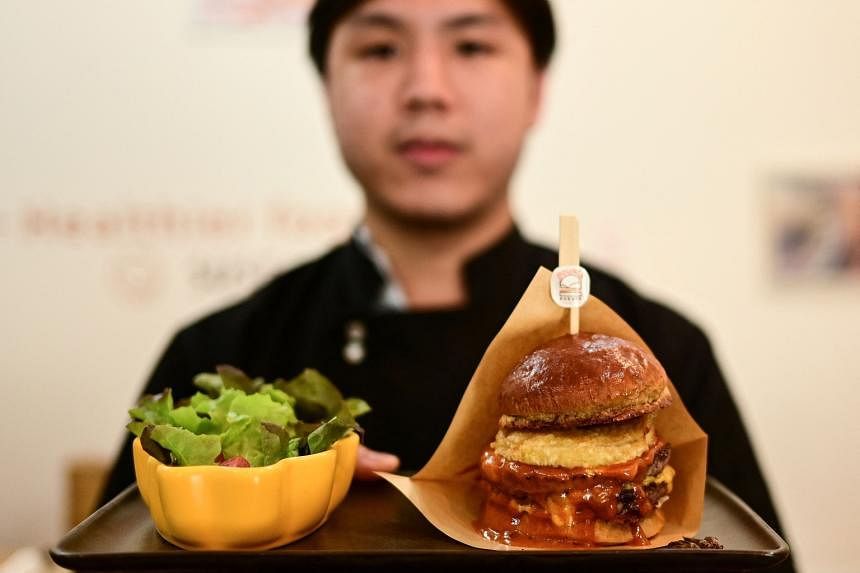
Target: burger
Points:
x,y
576,459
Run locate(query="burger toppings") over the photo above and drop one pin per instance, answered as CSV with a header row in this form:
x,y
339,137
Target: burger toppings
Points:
x,y
577,458
519,478
579,447
621,491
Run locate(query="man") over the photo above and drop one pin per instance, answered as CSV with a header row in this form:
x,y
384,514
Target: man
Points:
x,y
431,102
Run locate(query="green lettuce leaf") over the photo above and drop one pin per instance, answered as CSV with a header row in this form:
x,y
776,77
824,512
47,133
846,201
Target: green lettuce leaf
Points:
x,y
294,447
202,404
248,438
316,397
262,408
289,444
210,383
186,417
188,448
277,395
153,448
331,431
136,427
238,380
357,407
221,407
154,409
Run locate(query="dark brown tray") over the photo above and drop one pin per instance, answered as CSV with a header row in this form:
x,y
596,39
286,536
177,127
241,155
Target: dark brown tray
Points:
x,y
377,528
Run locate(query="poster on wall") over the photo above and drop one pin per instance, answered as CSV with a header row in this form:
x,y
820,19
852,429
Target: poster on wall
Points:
x,y
246,13
814,230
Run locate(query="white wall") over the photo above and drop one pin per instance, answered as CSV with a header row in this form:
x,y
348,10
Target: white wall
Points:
x,y
663,122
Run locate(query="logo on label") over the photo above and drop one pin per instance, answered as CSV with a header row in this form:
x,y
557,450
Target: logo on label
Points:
x,y
570,286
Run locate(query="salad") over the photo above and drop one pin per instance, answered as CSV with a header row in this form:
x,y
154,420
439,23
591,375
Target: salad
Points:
x,y
234,420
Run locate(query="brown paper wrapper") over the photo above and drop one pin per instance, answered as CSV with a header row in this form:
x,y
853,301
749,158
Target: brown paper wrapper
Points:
x,y
445,490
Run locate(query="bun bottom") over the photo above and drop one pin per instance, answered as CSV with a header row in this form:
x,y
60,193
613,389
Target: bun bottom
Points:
x,y
539,531
601,532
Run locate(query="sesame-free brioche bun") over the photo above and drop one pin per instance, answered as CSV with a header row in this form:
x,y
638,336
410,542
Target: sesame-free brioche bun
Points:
x,y
582,380
604,532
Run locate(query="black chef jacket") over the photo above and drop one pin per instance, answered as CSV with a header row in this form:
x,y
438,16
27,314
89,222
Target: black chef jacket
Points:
x,y
418,363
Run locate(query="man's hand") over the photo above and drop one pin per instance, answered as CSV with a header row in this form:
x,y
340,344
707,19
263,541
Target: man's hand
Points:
x,y
370,461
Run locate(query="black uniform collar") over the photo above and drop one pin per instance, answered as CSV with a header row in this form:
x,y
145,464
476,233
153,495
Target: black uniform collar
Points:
x,y
499,275
490,275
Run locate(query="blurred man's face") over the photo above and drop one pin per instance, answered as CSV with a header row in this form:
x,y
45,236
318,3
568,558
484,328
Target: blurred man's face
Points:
x,y
431,101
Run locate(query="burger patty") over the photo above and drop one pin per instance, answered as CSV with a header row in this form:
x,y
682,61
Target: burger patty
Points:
x,y
626,499
629,503
661,458
656,491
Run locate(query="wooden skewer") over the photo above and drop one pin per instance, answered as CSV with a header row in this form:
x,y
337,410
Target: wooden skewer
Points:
x,y
568,254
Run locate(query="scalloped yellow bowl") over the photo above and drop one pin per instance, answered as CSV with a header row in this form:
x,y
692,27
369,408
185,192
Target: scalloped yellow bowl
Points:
x,y
215,507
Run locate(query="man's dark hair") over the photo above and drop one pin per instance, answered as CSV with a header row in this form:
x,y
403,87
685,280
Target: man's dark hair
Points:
x,y
534,17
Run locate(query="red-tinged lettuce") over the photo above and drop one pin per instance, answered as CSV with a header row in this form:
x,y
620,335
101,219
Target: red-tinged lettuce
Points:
x,y
316,398
235,462
330,431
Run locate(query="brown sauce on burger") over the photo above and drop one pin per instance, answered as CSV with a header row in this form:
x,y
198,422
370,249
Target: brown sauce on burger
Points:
x,y
541,506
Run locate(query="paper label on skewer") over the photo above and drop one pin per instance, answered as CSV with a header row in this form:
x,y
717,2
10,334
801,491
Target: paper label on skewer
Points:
x,y
570,286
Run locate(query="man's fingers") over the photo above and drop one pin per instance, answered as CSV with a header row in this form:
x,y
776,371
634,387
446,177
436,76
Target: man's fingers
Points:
x,y
369,461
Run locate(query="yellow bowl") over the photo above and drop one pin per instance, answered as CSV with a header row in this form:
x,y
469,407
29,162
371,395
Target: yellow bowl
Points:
x,y
215,507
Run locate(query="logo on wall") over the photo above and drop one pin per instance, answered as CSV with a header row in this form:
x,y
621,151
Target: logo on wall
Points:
x,y
252,12
138,278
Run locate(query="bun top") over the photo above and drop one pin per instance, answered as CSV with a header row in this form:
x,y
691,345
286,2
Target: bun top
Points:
x,y
580,380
